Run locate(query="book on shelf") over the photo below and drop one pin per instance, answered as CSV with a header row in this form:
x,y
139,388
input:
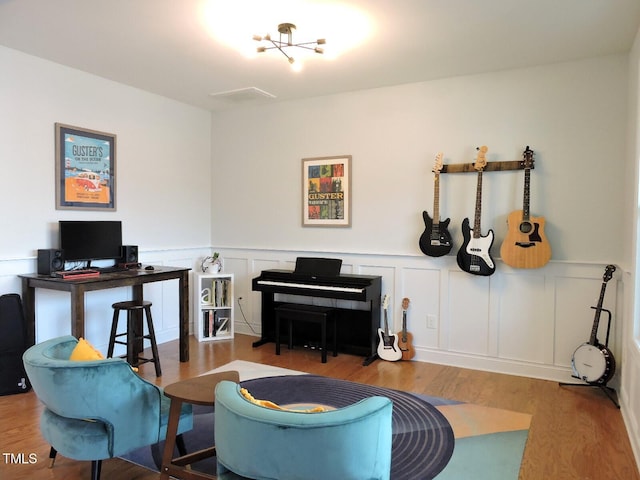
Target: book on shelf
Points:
x,y
221,291
213,325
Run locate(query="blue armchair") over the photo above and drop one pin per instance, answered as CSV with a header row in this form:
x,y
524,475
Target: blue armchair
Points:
x,y
351,443
95,409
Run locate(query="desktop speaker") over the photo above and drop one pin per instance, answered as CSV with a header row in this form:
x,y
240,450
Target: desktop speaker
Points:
x,y
50,261
129,254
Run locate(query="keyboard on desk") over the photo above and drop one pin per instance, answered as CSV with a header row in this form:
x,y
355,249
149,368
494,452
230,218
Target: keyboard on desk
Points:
x,y
77,274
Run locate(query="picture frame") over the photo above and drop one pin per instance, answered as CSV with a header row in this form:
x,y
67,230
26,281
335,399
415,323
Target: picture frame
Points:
x,y
85,169
326,191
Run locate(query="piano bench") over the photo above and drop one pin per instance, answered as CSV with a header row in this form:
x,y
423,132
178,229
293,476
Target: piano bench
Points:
x,y
295,312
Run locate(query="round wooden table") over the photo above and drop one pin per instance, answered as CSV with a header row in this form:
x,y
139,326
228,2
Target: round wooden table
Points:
x,y
197,391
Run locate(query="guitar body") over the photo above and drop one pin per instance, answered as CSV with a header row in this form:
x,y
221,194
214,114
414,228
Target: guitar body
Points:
x,y
388,348
474,255
525,245
405,344
594,364
435,241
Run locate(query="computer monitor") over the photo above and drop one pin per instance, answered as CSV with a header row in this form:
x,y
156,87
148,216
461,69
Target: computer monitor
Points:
x,y
90,240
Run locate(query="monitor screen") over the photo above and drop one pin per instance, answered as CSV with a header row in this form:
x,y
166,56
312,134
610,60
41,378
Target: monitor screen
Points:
x,y
90,240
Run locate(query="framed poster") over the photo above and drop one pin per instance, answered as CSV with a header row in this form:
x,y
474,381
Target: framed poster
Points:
x,y
85,169
326,191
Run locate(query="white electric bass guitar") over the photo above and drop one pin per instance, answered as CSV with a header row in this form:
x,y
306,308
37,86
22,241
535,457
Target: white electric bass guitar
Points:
x,y
388,348
592,361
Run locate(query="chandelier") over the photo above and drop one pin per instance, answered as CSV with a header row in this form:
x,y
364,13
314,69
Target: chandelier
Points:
x,y
286,31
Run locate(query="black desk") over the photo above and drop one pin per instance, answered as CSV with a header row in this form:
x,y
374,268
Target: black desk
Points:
x,y
131,278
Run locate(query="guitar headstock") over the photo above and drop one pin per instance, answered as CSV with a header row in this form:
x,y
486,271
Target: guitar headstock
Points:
x,y
608,273
481,158
385,301
405,303
527,158
437,164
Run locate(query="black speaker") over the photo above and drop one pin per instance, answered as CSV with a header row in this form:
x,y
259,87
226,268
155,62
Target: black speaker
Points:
x,y
129,254
50,261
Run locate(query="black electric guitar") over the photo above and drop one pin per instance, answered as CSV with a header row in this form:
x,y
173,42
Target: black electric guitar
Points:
x,y
592,361
404,337
525,245
474,255
388,346
435,241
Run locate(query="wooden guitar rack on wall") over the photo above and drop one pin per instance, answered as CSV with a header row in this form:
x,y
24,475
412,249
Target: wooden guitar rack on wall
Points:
x,y
489,167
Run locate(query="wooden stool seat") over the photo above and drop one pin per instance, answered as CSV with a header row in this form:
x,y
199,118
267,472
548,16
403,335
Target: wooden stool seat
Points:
x,y
293,312
134,308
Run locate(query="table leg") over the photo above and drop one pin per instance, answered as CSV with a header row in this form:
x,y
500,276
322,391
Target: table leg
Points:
x,y
183,293
170,441
77,311
29,307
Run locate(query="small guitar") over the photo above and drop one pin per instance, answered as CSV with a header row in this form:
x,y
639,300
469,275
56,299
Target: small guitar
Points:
x,y
525,245
388,346
592,361
474,255
404,337
435,241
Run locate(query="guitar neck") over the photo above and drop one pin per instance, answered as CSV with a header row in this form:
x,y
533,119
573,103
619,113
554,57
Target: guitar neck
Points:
x,y
525,202
436,199
476,221
386,323
596,320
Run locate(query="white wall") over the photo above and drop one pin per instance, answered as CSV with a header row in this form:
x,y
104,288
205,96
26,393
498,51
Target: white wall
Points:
x,y
573,116
163,172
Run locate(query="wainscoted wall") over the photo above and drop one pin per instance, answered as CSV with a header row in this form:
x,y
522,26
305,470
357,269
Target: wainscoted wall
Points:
x,y
522,322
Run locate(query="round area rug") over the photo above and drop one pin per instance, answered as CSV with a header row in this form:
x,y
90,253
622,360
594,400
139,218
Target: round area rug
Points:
x,y
422,441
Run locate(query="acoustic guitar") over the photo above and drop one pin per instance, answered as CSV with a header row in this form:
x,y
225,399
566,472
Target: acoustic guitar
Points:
x,y
388,345
435,241
404,337
592,361
474,255
525,245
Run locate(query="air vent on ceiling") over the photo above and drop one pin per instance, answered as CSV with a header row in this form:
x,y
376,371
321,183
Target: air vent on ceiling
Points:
x,y
242,95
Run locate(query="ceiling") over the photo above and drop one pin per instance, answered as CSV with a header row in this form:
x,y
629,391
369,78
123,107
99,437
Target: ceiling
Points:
x,y
168,47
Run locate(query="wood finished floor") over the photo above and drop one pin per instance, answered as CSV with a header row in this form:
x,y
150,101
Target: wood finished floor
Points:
x,y
576,433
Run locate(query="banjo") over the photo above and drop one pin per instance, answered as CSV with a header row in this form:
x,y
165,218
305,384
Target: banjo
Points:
x,y
592,361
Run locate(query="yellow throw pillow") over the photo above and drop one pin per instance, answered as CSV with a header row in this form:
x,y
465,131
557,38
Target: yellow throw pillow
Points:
x,y
84,351
268,404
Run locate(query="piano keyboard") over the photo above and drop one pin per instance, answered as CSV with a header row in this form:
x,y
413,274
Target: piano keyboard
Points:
x,y
333,288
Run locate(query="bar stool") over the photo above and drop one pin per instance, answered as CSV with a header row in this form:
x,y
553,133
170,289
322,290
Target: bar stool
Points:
x,y
307,313
133,336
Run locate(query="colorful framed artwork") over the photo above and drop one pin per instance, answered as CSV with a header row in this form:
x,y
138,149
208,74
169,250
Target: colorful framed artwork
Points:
x,y
85,169
326,191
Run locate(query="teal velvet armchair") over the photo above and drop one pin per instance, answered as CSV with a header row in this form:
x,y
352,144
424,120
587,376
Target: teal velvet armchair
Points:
x,y
350,443
95,409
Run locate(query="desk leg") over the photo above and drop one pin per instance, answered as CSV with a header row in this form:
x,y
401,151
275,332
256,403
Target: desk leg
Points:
x,y
183,285
29,306
170,441
77,311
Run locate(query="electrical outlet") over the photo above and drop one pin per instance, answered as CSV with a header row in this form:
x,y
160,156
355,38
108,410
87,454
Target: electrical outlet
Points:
x,y
432,322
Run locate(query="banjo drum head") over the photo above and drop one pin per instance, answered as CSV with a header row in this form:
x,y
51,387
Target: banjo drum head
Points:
x,y
589,364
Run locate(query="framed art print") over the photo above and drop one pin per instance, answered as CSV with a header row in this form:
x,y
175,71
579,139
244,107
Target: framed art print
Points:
x,y
85,169
326,191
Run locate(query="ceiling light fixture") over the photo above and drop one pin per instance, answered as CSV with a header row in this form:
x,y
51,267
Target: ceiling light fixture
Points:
x,y
286,29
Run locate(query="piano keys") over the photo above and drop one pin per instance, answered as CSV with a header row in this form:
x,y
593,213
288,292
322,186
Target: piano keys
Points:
x,y
357,327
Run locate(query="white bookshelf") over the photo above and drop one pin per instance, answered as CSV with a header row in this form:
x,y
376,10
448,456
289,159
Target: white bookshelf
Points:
x,y
213,306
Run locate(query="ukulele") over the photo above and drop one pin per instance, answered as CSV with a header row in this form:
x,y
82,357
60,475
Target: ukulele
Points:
x,y
404,337
388,345
435,241
474,255
525,245
592,361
